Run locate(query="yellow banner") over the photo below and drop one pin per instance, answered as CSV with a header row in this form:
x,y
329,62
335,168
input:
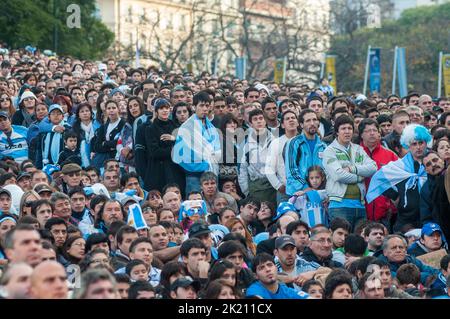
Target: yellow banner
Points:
x,y
446,73
189,67
279,74
330,74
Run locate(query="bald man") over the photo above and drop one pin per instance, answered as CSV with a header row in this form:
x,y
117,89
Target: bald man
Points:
x,y
172,201
49,281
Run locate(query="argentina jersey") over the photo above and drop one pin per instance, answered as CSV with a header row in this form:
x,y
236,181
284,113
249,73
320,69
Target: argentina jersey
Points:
x,y
16,146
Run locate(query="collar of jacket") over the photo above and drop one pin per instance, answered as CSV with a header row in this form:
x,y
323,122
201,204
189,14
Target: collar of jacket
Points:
x,y
310,256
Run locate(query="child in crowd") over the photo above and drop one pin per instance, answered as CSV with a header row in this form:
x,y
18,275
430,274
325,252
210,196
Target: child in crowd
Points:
x,y
311,202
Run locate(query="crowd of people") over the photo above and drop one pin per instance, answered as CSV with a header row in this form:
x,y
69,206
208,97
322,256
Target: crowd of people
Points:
x,y
136,183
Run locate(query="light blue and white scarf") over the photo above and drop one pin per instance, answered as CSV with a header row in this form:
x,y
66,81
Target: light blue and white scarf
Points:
x,y
197,146
393,173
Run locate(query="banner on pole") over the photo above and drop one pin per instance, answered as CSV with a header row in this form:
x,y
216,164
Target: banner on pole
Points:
x,y
401,72
375,70
280,70
241,66
330,62
446,73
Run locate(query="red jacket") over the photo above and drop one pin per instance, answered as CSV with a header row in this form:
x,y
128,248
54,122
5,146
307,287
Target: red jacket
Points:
x,y
379,208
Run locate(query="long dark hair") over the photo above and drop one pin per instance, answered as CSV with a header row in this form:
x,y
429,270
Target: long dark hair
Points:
x,y
130,118
176,107
77,124
99,115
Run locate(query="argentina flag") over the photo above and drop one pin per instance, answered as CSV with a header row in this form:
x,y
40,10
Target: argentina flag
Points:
x,y
135,217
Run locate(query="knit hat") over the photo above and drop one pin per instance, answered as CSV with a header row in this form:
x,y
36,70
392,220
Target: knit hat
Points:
x,y
25,95
160,102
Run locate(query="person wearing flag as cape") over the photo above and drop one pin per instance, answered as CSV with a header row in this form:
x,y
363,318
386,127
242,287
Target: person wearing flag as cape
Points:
x,y
197,147
403,179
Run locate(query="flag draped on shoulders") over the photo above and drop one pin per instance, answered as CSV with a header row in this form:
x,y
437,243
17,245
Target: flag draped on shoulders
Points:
x,y
197,147
393,173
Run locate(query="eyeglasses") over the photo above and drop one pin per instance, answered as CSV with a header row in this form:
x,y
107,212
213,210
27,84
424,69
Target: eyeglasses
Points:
x,y
322,241
4,100
100,261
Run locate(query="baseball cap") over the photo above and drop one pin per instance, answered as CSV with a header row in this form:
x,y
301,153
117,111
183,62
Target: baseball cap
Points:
x,y
22,175
70,168
429,228
4,114
283,241
185,282
55,107
42,187
198,229
127,199
5,191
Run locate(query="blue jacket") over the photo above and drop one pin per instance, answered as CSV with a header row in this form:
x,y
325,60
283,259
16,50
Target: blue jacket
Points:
x,y
425,270
297,159
283,292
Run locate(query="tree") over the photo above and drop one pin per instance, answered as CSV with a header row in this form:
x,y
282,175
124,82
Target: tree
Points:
x,y
423,31
32,22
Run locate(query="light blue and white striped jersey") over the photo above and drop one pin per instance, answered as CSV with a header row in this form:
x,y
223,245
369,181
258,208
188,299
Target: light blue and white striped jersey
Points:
x,y
16,146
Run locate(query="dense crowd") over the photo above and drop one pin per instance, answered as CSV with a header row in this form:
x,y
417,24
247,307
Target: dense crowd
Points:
x,y
121,182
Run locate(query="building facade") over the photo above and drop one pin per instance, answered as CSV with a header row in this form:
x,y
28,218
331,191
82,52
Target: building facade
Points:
x,y
207,35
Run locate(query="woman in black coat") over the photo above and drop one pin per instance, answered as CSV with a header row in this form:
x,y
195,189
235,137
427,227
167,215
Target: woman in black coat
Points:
x,y
160,139
106,136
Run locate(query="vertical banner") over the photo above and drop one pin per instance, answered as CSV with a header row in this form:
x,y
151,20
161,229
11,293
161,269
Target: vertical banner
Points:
x,y
446,73
279,73
138,51
375,70
401,72
214,66
241,66
189,67
330,61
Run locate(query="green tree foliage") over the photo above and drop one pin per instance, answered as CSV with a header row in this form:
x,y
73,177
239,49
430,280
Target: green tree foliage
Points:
x,y
423,31
32,22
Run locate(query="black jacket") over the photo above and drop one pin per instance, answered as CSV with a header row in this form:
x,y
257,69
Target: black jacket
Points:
x,y
308,255
411,213
161,169
69,156
99,144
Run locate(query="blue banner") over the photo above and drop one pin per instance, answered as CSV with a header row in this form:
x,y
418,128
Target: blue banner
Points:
x,y
375,70
401,72
241,66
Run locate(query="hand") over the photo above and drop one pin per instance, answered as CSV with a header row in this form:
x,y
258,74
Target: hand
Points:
x,y
347,169
125,151
203,268
167,137
300,280
349,260
59,128
302,192
282,189
92,155
235,196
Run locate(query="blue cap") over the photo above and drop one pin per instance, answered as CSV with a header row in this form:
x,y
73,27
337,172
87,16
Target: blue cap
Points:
x,y
429,228
283,208
55,107
4,114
